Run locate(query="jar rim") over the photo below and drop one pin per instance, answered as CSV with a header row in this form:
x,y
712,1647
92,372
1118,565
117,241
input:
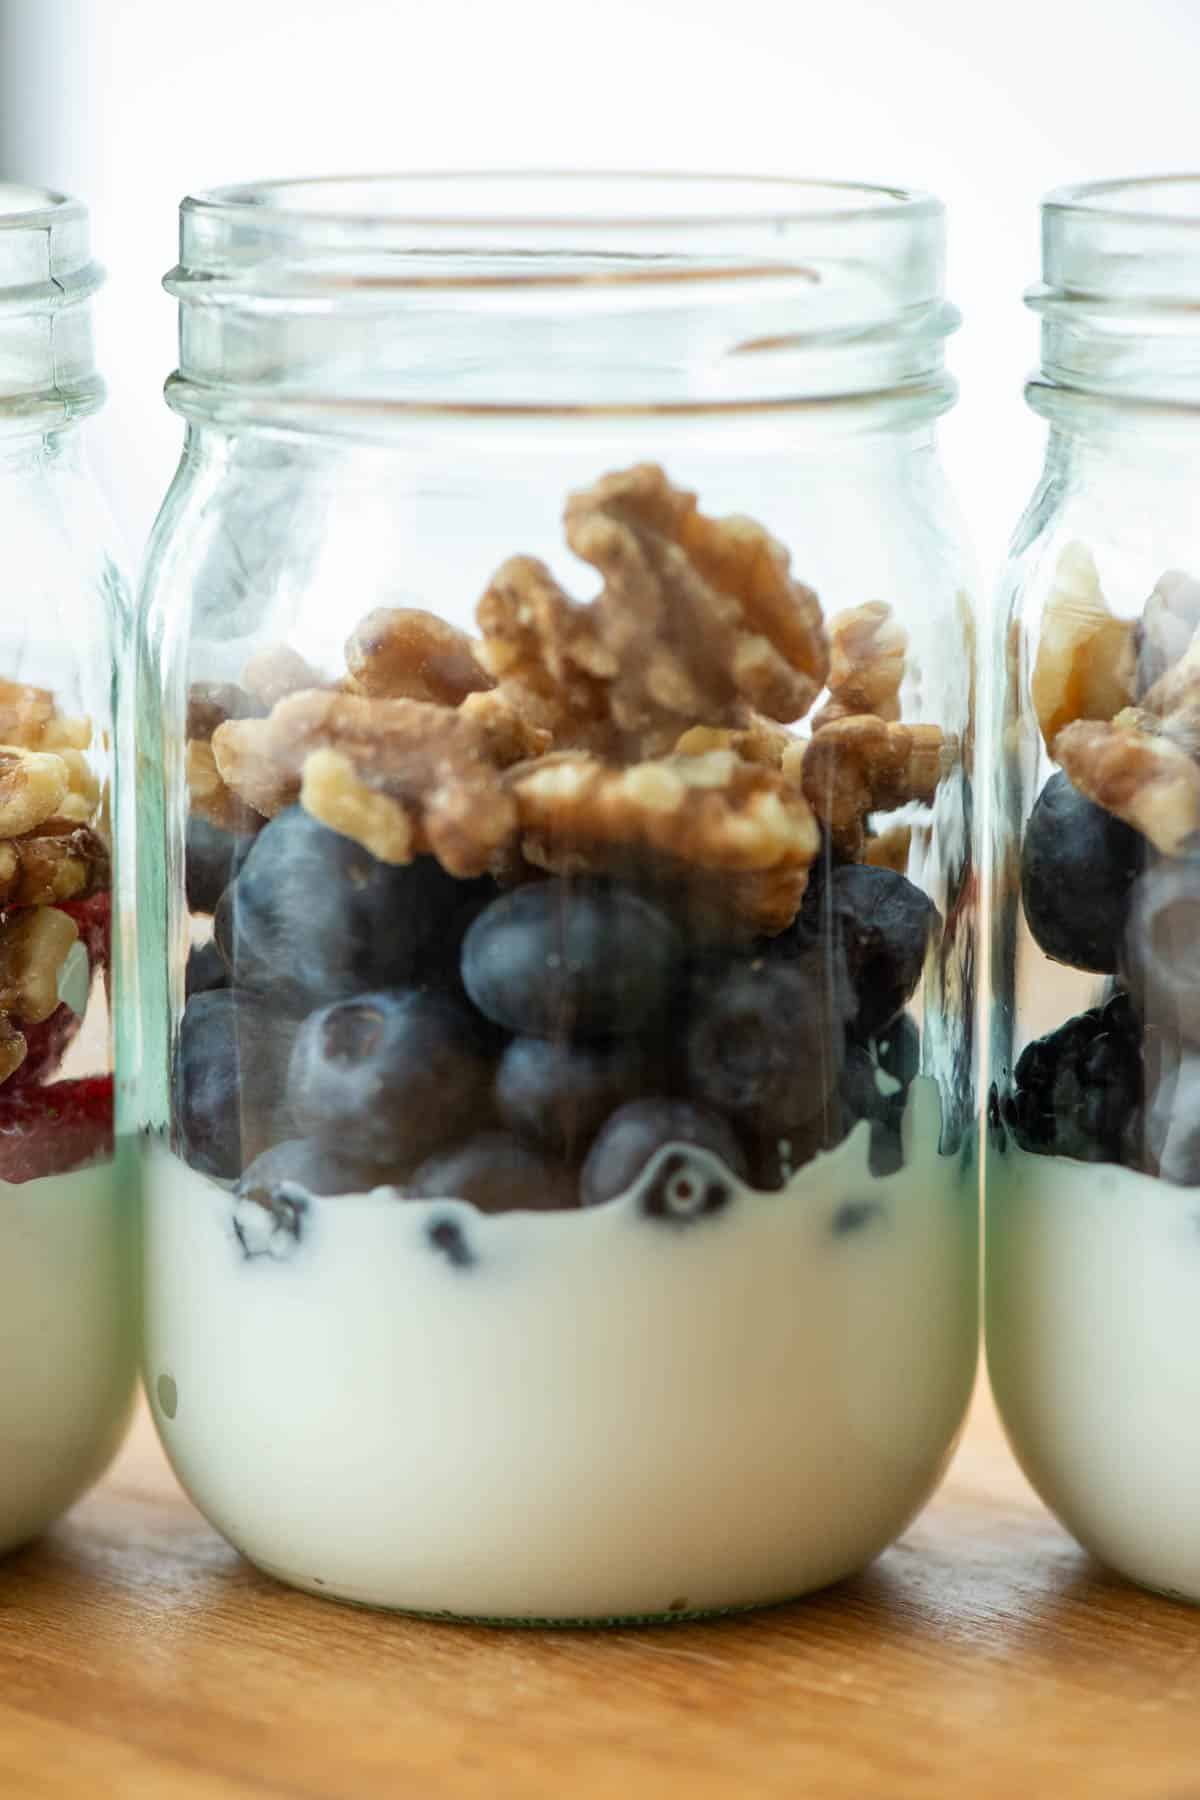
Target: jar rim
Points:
x,y
1132,200
24,206
734,200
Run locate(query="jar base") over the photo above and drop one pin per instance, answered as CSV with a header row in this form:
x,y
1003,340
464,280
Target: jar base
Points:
x,y
672,1615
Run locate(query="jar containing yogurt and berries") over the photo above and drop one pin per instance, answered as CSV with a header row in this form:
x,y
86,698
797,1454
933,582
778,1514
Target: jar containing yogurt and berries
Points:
x,y
1094,1167
556,970
68,1336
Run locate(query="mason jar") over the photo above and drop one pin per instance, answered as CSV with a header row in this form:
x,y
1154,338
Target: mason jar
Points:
x,y
68,1337
556,897
1094,1170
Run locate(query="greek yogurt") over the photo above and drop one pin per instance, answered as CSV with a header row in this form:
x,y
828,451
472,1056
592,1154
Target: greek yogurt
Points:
x,y
1093,1280
68,1340
693,1397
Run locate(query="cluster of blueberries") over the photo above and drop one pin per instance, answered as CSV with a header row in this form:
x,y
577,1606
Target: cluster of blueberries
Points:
x,y
354,1024
1120,1083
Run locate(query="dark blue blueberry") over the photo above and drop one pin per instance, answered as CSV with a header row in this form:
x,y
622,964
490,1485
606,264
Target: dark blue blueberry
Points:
x,y
1078,1091
230,1080
636,1132
205,970
390,1075
878,925
559,1094
1078,866
497,1173
212,859
562,959
313,916
687,1186
765,1044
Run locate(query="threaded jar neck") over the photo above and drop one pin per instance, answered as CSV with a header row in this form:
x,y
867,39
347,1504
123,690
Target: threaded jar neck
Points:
x,y
1119,299
47,280
382,295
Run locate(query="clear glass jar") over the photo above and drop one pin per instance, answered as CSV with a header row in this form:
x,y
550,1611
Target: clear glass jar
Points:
x,y
68,1337
1095,1149
559,1198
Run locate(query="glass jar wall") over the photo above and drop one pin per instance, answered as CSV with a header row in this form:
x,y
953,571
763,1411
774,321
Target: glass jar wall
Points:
x,y
1095,1154
67,1333
555,988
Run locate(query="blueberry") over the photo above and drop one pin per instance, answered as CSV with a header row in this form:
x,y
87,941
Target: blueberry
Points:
x,y
1078,1091
559,1094
881,923
497,1173
688,1185
1168,623
635,1132
1078,865
765,1044
390,1075
898,1050
320,1168
1161,960
571,958
205,970
313,916
212,859
230,1079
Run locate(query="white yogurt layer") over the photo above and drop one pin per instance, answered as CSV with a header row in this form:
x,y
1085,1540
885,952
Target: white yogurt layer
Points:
x,y
1093,1339
569,1415
68,1340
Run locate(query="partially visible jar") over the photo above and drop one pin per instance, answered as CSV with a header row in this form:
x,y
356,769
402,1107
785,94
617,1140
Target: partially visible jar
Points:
x,y
68,1337
1093,1264
560,1199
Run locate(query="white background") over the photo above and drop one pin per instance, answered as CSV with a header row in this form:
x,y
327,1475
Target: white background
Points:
x,y
129,103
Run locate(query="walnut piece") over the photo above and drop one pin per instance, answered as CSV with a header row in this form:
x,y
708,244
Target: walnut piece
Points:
x,y
758,741
542,649
13,1048
867,648
712,811
332,791
863,765
25,713
404,653
52,865
1137,774
34,945
699,622
701,615
1086,665
211,797
440,767
33,786
210,703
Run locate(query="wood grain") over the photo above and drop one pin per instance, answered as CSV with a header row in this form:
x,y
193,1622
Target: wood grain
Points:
x,y
984,1656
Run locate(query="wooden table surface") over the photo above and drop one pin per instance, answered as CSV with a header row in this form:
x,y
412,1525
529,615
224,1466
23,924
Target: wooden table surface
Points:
x,y
140,1659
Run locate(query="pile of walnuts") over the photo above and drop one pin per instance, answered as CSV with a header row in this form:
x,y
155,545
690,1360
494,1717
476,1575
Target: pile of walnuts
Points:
x,y
1118,700
52,849
652,722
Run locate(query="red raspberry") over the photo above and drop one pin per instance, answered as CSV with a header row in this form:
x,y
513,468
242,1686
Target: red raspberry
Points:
x,y
48,1044
94,919
50,1130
